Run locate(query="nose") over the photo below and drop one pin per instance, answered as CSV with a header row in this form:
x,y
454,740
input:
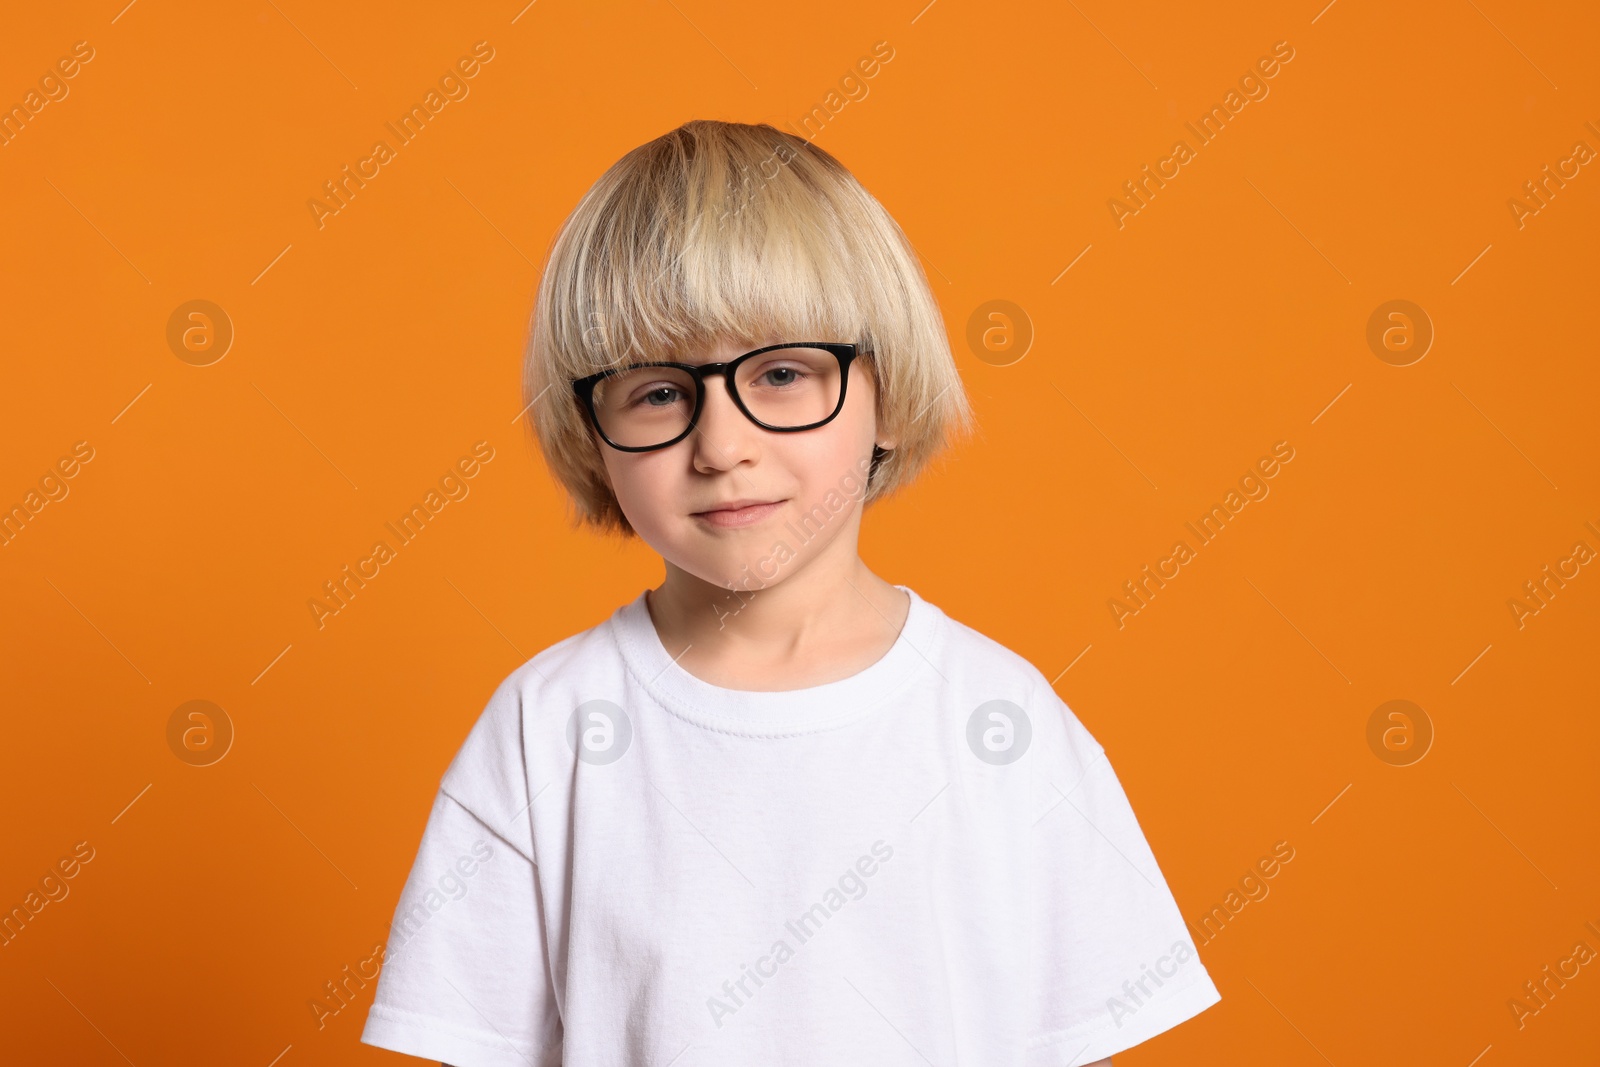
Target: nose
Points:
x,y
723,438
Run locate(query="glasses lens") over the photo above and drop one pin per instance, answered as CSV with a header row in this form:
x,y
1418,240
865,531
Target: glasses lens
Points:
x,y
785,389
645,406
790,387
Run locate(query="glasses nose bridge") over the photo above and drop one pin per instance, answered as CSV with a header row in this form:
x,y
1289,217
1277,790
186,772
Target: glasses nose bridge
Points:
x,y
725,371
715,370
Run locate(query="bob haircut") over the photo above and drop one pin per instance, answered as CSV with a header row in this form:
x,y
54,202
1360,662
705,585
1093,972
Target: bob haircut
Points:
x,y
729,231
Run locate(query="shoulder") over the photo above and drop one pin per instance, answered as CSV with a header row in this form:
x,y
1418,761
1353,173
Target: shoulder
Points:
x,y
981,655
988,675
572,664
489,774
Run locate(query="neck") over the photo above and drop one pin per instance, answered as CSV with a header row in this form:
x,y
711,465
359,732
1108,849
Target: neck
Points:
x,y
816,607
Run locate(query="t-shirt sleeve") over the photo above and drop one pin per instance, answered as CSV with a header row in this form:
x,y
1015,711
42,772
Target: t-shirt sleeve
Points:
x,y
465,977
1115,960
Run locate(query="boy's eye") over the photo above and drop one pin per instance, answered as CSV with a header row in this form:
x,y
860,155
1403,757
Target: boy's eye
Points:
x,y
656,396
645,389
780,377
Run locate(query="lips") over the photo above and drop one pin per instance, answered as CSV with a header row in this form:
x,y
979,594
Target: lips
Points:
x,y
739,512
735,505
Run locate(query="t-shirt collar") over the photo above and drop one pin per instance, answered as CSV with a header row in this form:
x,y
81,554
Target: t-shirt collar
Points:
x,y
772,714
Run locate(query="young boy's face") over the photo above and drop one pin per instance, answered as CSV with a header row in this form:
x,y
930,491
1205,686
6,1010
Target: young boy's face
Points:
x,y
671,495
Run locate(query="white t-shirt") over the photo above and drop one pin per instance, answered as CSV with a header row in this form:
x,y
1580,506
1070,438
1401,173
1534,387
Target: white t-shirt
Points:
x,y
930,862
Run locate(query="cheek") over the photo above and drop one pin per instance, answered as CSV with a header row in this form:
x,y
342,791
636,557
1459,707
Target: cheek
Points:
x,y
640,484
859,419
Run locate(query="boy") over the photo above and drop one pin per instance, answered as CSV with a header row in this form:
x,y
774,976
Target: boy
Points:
x,y
776,810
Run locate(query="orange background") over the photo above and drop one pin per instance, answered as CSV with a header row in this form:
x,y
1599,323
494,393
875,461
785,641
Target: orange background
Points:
x,y
1222,318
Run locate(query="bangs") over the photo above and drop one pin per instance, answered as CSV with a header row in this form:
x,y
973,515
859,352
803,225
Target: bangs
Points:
x,y
691,244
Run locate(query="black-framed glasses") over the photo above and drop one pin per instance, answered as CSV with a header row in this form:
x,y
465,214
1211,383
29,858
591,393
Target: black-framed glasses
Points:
x,y
784,388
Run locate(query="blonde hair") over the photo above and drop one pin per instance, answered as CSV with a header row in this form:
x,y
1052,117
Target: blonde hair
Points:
x,y
723,230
